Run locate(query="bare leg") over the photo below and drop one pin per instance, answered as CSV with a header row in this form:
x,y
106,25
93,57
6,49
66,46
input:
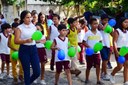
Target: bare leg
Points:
x,y
67,71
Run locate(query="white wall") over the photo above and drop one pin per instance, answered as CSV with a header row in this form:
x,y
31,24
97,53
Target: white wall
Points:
x,y
45,9
36,2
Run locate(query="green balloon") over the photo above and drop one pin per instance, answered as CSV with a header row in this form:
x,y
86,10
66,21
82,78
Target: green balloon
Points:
x,y
69,44
123,51
48,44
68,26
79,48
98,46
15,55
37,35
108,29
71,52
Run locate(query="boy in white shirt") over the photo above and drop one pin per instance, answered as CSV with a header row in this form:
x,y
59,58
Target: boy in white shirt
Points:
x,y
61,43
92,37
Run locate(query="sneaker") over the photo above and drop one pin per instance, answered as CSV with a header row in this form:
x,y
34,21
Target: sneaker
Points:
x,y
102,75
9,76
100,83
112,79
2,75
87,82
42,82
126,83
106,77
35,82
77,72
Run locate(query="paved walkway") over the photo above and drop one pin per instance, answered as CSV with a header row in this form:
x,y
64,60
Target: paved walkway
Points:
x,y
49,77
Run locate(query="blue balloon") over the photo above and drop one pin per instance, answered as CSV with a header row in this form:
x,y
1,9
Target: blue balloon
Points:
x,y
61,55
50,22
89,51
112,22
121,59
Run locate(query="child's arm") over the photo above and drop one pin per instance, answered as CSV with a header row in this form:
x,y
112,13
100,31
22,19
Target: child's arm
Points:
x,y
85,44
49,32
54,46
9,44
115,38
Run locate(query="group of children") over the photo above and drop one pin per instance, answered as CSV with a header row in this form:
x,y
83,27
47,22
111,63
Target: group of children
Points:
x,y
18,38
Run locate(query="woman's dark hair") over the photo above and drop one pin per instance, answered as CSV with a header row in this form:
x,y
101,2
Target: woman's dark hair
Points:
x,y
120,26
92,20
22,15
39,20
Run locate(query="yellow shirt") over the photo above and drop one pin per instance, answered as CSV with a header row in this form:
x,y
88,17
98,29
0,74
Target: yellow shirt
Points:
x,y
45,29
72,36
13,44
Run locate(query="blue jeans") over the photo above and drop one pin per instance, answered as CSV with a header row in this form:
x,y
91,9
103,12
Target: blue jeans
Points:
x,y
28,55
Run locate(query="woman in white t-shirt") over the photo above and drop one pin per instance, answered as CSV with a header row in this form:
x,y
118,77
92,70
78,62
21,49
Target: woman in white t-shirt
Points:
x,y
28,51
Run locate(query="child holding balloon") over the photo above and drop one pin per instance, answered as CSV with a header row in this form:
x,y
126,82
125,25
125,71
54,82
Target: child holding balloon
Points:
x,y
4,49
92,37
60,44
13,48
106,47
41,53
53,33
73,39
119,40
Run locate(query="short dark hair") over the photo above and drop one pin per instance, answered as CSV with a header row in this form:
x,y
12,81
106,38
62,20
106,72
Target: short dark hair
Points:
x,y
62,26
56,15
71,20
82,21
15,25
16,19
92,20
104,16
5,26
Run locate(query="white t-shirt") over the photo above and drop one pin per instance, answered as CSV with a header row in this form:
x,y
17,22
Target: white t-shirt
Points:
x,y
62,44
27,32
81,36
54,32
40,45
106,39
122,39
91,38
4,49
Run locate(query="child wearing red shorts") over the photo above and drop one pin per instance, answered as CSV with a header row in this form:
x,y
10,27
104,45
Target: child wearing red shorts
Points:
x,y
61,43
92,37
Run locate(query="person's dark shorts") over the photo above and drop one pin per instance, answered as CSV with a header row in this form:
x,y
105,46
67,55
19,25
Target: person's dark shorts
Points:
x,y
105,53
93,60
62,64
5,58
42,55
